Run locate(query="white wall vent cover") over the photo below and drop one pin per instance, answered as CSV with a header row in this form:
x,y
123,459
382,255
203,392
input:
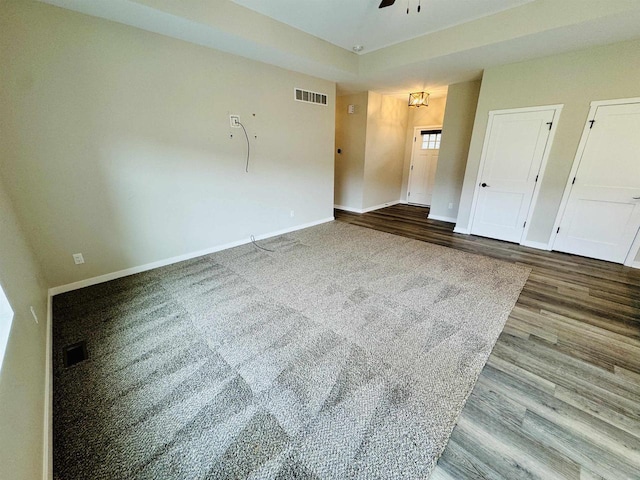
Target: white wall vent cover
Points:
x,y
310,97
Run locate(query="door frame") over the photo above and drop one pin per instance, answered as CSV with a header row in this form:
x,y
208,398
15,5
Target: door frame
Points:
x,y
413,149
635,246
543,165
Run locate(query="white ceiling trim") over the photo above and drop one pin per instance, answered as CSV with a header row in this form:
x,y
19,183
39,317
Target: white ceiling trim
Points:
x,y
361,22
430,62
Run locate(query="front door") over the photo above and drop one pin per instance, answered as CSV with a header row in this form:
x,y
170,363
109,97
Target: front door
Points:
x,y
602,216
514,149
424,160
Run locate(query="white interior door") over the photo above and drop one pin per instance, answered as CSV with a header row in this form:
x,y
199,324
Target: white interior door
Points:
x,y
514,149
424,161
602,214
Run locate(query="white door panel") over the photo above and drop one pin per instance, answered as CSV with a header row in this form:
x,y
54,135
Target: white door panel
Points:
x,y
515,138
598,229
431,176
516,144
602,218
422,176
500,209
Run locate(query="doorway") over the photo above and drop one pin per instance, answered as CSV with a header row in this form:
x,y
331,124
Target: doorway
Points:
x,y
514,156
600,212
6,318
424,161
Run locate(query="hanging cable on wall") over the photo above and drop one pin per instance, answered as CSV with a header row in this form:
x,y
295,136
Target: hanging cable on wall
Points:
x,y
255,244
246,169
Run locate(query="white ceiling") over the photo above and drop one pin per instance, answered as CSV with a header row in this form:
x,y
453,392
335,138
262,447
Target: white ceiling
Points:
x,y
347,23
438,54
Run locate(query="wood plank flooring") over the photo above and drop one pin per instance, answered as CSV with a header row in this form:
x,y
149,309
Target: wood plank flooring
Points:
x,y
560,395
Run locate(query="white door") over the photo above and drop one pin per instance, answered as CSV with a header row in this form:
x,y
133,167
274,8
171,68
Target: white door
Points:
x,y
602,214
424,160
515,147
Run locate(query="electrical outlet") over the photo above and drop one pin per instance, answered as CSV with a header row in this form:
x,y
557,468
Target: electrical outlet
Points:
x,y
78,258
33,312
234,120
450,206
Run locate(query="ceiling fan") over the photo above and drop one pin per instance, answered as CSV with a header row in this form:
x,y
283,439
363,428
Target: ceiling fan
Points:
x,y
388,3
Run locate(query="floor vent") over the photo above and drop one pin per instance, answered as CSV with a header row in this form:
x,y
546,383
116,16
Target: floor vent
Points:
x,y
76,353
310,97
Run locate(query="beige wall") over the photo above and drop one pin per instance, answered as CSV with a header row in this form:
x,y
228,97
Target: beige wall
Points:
x,y
573,79
369,169
120,143
22,377
351,135
432,115
457,126
384,155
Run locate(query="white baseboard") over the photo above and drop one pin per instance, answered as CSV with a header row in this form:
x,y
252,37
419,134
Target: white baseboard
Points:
x,y
382,205
536,245
458,229
162,263
368,209
634,265
347,209
443,219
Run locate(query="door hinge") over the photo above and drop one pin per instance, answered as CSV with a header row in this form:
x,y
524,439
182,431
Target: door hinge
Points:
x,y
524,225
536,178
408,194
574,181
550,125
411,167
558,230
414,138
591,122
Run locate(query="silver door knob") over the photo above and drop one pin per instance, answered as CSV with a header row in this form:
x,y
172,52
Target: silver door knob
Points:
x,y
636,198
483,185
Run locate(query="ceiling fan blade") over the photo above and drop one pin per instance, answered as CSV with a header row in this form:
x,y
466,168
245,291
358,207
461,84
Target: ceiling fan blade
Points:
x,y
386,3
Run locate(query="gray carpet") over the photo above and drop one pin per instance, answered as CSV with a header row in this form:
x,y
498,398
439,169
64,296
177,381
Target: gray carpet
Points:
x,y
346,353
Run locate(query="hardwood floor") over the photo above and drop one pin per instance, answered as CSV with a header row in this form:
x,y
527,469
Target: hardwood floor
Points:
x,y
560,395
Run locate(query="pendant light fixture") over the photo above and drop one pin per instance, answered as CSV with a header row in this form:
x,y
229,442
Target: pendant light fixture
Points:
x,y
419,99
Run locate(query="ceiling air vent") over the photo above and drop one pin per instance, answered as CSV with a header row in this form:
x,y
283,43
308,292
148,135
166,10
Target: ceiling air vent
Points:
x,y
310,97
